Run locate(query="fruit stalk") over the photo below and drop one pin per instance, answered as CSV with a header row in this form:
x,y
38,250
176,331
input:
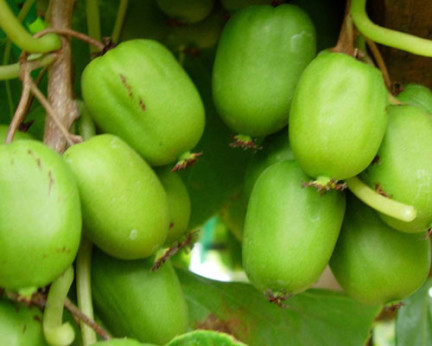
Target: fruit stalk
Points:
x,y
380,203
57,333
388,37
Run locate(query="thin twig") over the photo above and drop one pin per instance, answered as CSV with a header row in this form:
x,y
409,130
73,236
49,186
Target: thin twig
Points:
x,y
380,62
20,111
174,249
71,139
73,309
39,299
69,32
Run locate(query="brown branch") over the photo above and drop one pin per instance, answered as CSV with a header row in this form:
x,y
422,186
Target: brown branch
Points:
x,y
345,43
60,92
76,312
72,33
39,299
21,110
380,62
174,249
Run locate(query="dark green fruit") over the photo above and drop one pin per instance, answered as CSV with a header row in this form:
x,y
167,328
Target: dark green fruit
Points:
x,y
40,215
121,342
132,301
234,5
338,116
125,208
179,204
403,166
417,95
290,231
20,325
152,105
186,11
275,149
202,35
370,258
257,67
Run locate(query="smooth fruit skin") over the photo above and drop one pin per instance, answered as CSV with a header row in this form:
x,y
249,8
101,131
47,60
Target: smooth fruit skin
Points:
x,y
20,325
338,116
125,208
18,134
179,204
135,302
121,342
40,215
403,167
139,92
417,95
260,57
290,231
374,263
186,11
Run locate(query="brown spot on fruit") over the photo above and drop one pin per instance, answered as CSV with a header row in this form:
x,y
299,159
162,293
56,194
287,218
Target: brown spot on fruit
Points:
x,y
126,85
142,105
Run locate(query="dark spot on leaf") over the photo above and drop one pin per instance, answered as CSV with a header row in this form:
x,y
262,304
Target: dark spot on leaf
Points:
x,y
24,328
212,322
171,225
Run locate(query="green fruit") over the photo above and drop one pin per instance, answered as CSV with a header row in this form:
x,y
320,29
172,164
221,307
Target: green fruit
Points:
x,y
338,116
275,149
121,342
40,215
125,208
18,135
202,35
152,105
290,231
370,258
417,95
403,166
132,301
257,68
20,325
179,204
234,5
144,20
186,11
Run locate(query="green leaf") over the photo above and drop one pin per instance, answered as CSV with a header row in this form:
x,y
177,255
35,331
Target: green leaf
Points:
x,y
414,319
204,338
315,317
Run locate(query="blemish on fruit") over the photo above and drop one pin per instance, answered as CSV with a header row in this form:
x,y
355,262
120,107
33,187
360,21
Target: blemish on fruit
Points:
x,y
380,191
51,181
142,104
375,160
126,85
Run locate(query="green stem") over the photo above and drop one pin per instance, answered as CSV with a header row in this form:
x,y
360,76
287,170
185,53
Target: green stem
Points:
x,y
19,35
11,71
388,37
121,13
380,203
7,52
55,331
83,282
93,21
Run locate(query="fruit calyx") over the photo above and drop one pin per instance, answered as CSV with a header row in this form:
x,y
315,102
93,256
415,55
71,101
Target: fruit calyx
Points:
x,y
325,184
244,142
277,297
186,160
